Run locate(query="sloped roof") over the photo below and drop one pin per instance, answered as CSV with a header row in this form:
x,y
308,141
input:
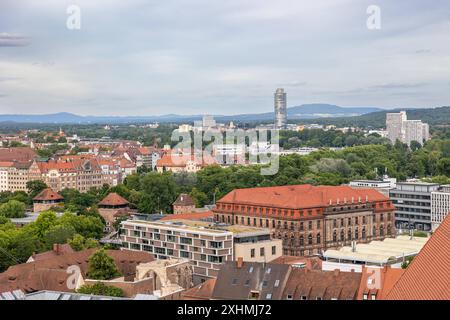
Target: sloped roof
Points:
x,y
51,274
324,285
301,196
203,291
113,199
428,275
47,195
184,200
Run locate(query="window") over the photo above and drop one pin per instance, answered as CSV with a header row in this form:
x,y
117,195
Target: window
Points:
x,y
203,257
310,225
248,221
334,236
264,284
203,243
289,297
135,246
215,244
250,270
185,240
318,238
318,224
184,254
234,281
247,283
269,296
252,253
261,252
310,239
277,283
268,270
267,223
274,250
301,240
349,234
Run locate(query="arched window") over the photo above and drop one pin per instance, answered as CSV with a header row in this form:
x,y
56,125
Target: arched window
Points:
x,y
374,234
349,234
356,234
388,231
334,236
237,220
310,239
223,218
318,238
364,233
301,241
228,219
342,235
273,223
381,231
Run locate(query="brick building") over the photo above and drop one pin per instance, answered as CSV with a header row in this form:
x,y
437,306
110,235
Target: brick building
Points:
x,y
310,219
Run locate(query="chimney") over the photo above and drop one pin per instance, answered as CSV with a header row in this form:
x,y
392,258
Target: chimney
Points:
x,y
336,272
56,248
239,262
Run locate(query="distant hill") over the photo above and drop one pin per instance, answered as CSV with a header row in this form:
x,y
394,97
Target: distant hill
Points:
x,y
307,111
434,116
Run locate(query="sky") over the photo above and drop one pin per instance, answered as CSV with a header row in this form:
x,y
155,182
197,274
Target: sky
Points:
x,y
145,57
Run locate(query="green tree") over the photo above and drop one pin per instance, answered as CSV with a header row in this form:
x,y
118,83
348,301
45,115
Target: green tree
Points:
x,y
58,234
100,289
78,243
102,267
35,186
13,209
200,198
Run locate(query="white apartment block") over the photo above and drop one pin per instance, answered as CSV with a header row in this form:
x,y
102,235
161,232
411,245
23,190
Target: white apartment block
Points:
x,y
206,248
440,206
400,128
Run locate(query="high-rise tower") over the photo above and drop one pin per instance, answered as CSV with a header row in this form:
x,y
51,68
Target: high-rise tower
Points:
x,y
280,109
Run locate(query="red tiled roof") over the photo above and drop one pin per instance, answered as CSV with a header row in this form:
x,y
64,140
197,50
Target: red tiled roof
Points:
x,y
58,249
387,278
203,291
48,194
301,196
20,154
181,160
428,275
113,199
190,216
51,274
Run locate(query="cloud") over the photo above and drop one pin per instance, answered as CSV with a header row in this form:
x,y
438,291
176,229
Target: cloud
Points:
x,y
12,40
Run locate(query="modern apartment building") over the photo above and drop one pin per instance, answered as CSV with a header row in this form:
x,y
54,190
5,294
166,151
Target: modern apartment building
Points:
x,y
400,128
440,205
309,219
206,248
382,185
394,125
280,106
412,201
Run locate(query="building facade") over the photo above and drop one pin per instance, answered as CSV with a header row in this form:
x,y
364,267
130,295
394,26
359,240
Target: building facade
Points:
x,y
440,206
412,203
280,106
310,219
400,128
206,248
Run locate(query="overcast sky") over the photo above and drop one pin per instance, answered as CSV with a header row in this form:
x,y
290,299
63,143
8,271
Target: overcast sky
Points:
x,y
144,57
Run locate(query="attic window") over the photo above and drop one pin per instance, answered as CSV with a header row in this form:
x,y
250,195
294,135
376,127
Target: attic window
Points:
x,y
289,297
269,296
269,270
250,270
277,283
234,282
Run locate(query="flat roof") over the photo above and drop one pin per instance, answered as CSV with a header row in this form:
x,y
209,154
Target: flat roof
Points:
x,y
195,225
379,252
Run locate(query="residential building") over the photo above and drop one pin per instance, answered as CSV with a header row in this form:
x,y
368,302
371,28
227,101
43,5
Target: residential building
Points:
x,y
241,280
377,283
256,246
404,130
14,176
304,284
440,205
310,219
412,201
202,291
428,275
394,126
206,248
280,107
176,162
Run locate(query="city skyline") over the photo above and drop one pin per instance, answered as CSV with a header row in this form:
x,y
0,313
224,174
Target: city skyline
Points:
x,y
138,59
